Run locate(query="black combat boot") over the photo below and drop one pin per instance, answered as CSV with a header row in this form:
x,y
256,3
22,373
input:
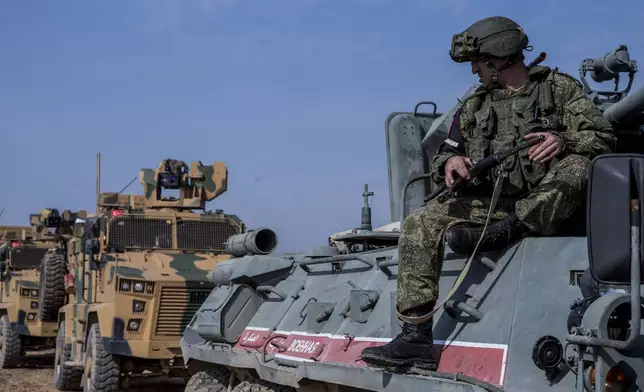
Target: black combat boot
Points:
x,y
413,347
500,234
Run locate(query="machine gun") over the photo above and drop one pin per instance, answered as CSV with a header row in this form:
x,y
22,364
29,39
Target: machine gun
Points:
x,y
196,184
479,169
475,171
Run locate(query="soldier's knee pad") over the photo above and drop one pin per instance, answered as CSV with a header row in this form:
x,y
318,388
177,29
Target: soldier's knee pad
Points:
x,y
575,161
574,168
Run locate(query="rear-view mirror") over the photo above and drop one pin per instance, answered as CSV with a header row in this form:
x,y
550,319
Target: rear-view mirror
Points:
x,y
615,186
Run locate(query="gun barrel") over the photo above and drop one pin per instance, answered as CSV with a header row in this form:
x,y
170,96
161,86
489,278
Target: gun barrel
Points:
x,y
261,241
626,109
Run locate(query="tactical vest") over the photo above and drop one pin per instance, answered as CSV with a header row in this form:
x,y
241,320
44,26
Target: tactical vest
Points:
x,y
498,120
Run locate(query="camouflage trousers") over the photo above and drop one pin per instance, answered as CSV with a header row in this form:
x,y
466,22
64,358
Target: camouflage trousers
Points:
x,y
421,246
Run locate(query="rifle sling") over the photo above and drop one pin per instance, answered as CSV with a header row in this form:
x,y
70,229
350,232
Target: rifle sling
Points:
x,y
495,199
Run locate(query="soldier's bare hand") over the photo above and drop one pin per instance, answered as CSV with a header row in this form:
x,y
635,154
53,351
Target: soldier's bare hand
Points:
x,y
459,165
547,149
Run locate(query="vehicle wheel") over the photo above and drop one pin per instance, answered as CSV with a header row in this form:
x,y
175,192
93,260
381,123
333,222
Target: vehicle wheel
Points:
x,y
66,378
261,386
212,380
9,345
102,369
52,286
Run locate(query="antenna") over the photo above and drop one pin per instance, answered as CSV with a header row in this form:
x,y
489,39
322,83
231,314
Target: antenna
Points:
x,y
129,183
98,179
1,212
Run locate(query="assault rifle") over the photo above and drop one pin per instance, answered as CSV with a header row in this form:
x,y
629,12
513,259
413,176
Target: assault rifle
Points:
x,y
479,169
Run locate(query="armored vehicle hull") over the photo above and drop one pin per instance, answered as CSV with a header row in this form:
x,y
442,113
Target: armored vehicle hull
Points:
x,y
512,319
515,298
135,330
21,328
22,325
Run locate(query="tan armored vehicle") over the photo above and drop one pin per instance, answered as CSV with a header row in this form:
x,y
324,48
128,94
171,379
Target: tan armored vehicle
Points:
x,y
32,269
12,233
137,276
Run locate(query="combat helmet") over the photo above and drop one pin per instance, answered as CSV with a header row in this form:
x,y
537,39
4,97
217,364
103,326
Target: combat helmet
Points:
x,y
496,36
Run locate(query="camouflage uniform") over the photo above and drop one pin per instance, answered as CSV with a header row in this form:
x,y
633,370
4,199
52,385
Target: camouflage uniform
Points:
x,y
535,197
541,195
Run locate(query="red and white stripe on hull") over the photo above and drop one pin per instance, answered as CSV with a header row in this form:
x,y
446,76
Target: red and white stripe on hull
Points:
x,y
486,362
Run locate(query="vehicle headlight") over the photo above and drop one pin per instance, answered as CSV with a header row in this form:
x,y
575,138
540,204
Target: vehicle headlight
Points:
x,y
125,285
34,293
138,306
133,325
138,287
616,379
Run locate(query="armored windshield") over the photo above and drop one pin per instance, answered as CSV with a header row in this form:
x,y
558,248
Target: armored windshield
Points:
x,y
207,233
26,257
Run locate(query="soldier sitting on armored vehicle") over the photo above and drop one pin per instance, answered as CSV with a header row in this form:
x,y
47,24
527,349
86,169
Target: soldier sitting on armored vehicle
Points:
x,y
539,188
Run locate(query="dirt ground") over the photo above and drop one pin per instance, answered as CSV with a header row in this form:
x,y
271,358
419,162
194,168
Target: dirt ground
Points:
x,y
37,374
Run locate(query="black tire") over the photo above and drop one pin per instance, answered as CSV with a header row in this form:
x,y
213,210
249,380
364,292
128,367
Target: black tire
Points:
x,y
102,369
10,348
212,380
65,378
261,386
52,286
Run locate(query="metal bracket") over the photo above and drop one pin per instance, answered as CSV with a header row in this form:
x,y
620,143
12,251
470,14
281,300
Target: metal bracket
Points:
x,y
321,311
361,304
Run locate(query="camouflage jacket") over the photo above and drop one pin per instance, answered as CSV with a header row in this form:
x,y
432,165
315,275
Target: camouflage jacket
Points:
x,y
492,121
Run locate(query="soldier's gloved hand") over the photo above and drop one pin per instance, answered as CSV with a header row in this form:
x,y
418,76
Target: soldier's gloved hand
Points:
x,y
547,149
459,165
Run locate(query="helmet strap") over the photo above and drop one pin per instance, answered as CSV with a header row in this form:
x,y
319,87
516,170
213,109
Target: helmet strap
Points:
x,y
496,72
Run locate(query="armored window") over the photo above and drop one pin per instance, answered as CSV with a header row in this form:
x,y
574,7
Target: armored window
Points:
x,y
24,258
139,232
205,234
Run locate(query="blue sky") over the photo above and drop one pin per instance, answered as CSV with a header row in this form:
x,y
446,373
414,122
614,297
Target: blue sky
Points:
x,y
291,94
